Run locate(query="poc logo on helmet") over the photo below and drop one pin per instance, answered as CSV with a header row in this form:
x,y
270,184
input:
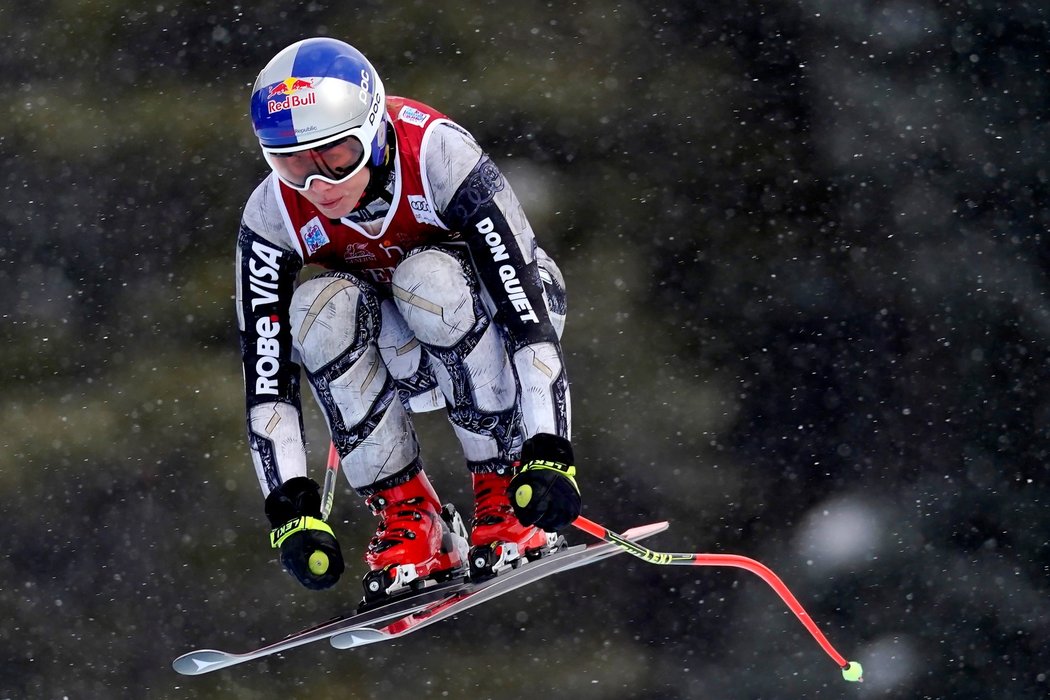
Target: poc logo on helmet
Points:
x,y
362,94
366,81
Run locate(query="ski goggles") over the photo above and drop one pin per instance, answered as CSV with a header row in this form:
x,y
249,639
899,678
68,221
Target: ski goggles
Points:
x,y
334,162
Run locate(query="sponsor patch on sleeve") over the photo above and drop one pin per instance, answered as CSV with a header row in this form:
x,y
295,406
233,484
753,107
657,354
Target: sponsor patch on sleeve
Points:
x,y
413,116
314,235
422,211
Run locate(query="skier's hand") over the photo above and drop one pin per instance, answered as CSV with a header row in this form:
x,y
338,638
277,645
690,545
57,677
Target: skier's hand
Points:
x,y
544,492
308,546
310,552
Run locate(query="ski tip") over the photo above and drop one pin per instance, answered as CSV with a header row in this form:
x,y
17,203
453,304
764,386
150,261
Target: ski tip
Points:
x,y
200,661
357,638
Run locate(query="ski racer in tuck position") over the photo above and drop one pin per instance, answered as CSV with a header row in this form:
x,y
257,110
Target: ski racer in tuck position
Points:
x,y
435,295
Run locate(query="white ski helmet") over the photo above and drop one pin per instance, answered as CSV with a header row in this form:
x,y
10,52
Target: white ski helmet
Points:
x,y
319,95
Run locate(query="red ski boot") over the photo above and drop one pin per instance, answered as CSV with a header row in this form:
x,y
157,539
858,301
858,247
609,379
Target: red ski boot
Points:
x,y
416,539
497,538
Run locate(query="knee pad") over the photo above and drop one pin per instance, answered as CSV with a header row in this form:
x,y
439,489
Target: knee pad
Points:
x,y
331,315
437,295
335,322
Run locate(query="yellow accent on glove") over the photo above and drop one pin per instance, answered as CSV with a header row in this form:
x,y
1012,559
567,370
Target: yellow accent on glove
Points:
x,y
568,471
523,495
318,563
305,522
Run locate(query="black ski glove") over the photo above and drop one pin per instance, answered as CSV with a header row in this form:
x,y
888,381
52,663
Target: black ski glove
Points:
x,y
544,492
308,546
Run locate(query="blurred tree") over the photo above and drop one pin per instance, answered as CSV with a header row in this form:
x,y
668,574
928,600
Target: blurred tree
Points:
x,y
805,247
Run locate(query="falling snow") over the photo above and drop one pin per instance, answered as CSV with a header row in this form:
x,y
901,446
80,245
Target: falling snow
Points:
x,y
805,243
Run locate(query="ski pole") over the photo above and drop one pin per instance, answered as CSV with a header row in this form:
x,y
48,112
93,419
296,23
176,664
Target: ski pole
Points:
x,y
318,561
851,670
328,492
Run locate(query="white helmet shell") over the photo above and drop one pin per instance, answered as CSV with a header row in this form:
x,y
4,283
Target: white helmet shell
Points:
x,y
317,91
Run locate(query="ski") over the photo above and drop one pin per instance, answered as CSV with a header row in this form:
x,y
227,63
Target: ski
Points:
x,y
473,594
415,611
206,660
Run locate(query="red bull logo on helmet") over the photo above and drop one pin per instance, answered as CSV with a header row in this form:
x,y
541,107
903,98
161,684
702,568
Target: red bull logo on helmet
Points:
x,y
284,95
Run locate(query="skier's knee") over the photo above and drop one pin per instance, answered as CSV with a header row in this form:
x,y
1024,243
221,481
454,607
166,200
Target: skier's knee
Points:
x,y
435,294
331,314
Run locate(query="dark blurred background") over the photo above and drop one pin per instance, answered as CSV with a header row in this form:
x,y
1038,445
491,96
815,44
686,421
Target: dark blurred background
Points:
x,y
806,249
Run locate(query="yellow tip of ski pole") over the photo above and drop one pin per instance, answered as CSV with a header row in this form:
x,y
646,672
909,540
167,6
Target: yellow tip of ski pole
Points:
x,y
853,672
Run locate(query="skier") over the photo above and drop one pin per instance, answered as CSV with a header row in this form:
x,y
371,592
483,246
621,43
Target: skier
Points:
x,y
435,295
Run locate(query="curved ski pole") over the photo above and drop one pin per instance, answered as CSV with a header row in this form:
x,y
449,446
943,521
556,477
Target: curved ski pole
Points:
x,y
328,492
851,670
319,560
